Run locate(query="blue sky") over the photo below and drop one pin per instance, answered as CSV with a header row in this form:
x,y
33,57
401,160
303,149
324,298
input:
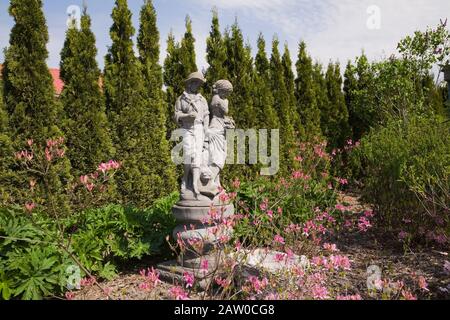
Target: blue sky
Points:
x,y
333,29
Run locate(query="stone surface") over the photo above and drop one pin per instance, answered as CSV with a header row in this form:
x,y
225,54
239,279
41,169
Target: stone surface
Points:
x,y
266,260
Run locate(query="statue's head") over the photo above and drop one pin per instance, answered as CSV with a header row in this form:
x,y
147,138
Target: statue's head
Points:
x,y
223,88
194,82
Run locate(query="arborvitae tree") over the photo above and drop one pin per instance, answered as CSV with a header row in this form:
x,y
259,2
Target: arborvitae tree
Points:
x,y
89,140
335,120
187,54
283,107
320,88
6,153
307,104
360,98
173,80
240,71
350,86
263,98
30,101
289,79
216,54
29,93
160,162
128,113
239,66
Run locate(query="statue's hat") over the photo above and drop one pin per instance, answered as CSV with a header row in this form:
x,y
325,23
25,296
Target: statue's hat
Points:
x,y
196,76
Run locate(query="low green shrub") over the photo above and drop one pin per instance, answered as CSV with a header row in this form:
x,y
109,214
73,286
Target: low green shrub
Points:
x,y
38,253
405,169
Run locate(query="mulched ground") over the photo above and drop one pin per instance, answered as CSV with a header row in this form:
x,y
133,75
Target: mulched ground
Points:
x,y
364,250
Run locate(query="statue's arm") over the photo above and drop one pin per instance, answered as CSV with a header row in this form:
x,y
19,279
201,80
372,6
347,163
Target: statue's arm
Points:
x,y
180,115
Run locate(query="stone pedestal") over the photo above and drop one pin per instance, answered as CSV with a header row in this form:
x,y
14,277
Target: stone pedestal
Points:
x,y
191,216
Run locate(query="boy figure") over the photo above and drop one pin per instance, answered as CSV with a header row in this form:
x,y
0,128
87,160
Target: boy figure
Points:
x,y
192,115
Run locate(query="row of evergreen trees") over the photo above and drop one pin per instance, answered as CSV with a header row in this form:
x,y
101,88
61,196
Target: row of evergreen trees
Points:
x,y
124,113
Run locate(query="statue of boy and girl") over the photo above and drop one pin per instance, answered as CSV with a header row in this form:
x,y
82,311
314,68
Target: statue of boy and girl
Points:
x,y
204,137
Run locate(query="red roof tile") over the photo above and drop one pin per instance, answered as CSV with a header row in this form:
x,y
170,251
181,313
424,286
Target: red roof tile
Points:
x,y
58,84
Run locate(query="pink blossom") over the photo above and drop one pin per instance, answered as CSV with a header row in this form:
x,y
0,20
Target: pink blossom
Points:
x,y
280,210
279,257
258,285
189,279
30,206
270,214
299,159
224,283
178,293
408,295
204,266
48,155
30,142
236,184
151,278
369,214
340,262
340,207
320,292
84,179
330,247
279,239
70,295
364,225
264,205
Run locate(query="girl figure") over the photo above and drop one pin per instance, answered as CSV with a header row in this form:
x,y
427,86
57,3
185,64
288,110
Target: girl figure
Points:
x,y
215,153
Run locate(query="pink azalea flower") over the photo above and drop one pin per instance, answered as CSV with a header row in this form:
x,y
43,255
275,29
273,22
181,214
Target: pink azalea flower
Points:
x,y
320,292
330,247
70,295
178,293
30,206
408,295
204,265
364,225
189,279
279,239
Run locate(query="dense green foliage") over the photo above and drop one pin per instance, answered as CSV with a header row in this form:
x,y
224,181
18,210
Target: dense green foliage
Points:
x,y
37,260
130,115
89,142
216,54
34,113
306,93
407,178
160,163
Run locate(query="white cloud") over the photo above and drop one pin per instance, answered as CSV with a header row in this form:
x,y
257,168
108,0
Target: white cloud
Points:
x,y
337,30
